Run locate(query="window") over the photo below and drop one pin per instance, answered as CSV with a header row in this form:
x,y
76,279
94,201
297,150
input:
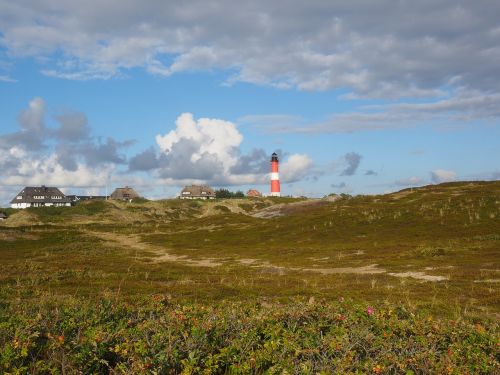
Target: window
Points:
x,y
38,197
56,197
19,197
186,193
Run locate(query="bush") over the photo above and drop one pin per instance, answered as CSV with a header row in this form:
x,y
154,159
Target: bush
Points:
x,y
298,337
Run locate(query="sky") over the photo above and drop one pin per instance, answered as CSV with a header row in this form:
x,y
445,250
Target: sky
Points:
x,y
357,97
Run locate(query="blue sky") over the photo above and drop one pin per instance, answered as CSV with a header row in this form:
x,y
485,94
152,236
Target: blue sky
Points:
x,y
355,98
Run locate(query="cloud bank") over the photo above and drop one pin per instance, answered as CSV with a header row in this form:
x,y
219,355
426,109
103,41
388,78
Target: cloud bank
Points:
x,y
380,51
65,153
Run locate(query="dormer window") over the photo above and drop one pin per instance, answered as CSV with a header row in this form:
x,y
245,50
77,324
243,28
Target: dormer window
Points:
x,y
19,197
39,197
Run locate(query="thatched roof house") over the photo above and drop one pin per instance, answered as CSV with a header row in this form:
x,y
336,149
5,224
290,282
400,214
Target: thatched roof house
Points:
x,y
197,192
125,194
3,216
39,196
252,193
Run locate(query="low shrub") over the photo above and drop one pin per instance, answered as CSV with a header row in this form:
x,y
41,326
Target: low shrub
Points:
x,y
297,337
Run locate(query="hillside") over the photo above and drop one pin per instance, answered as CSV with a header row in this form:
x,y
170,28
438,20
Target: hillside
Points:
x,y
440,238
434,251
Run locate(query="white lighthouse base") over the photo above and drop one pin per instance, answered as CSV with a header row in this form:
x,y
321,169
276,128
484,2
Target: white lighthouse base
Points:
x,y
275,194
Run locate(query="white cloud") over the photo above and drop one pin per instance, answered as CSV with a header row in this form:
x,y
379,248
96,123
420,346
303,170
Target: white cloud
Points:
x,y
442,175
4,78
211,136
377,52
296,167
32,118
208,150
47,171
464,107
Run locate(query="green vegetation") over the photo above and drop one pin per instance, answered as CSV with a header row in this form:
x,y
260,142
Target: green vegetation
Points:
x,y
225,194
430,255
305,338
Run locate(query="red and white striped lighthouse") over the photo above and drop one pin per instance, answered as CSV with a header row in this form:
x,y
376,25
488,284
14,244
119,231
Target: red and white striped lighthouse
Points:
x,y
275,177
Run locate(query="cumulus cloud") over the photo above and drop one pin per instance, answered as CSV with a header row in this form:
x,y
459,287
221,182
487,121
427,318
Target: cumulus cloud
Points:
x,y
442,175
32,118
208,150
48,171
65,154
352,160
378,52
199,149
73,126
296,167
31,134
196,151
97,153
257,161
144,161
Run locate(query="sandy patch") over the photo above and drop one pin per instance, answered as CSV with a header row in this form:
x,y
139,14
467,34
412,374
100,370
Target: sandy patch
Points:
x,y
438,268
319,259
134,243
488,281
419,276
247,261
364,270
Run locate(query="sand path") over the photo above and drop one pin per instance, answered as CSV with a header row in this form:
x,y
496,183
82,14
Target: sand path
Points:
x,y
159,254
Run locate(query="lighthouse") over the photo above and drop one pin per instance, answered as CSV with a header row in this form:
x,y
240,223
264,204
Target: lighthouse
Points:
x,y
275,177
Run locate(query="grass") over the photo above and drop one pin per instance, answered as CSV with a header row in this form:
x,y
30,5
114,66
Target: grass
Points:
x,y
434,251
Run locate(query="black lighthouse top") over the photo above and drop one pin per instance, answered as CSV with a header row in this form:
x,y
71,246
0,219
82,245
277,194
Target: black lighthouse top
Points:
x,y
274,156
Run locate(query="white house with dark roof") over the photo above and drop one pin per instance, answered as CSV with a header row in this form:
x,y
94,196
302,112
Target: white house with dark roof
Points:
x,y
39,196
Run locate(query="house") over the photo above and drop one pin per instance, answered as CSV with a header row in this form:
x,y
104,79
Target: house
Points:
x,y
125,194
252,193
39,196
197,192
2,216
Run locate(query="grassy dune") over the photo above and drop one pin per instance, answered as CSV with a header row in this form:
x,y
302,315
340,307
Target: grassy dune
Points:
x,y
432,251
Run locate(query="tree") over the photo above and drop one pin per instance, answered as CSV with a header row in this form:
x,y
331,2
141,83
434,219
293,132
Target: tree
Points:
x,y
223,193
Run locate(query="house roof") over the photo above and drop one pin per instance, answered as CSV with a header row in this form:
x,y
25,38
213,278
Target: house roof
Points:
x,y
3,216
198,191
254,193
40,194
124,193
